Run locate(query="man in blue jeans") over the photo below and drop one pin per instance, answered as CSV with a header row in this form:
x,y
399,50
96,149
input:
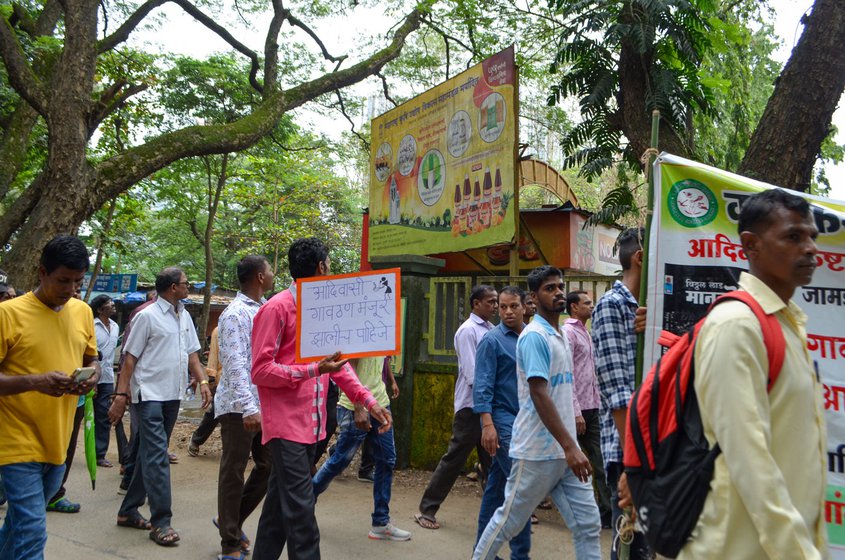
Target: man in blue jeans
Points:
x,y
356,425
46,335
496,401
161,347
546,457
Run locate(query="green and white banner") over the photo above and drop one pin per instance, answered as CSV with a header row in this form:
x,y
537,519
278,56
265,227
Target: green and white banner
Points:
x,y
695,255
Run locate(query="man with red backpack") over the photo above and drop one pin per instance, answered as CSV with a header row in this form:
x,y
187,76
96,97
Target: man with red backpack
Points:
x,y
767,491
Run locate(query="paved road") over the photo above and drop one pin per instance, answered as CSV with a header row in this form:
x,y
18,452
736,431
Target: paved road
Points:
x,y
343,513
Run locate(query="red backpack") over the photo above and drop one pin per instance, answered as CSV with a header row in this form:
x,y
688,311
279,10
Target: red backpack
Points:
x,y
668,461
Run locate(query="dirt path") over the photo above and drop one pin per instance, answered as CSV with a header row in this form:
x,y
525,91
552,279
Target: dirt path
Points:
x,y
343,514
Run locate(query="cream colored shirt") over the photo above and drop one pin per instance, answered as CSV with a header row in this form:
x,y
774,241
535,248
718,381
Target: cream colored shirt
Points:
x,y
768,489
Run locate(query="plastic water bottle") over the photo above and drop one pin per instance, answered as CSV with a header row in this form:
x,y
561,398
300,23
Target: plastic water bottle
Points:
x,y
189,392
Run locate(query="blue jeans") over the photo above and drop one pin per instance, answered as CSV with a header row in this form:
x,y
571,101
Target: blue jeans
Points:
x,y
28,487
530,482
152,472
348,442
494,496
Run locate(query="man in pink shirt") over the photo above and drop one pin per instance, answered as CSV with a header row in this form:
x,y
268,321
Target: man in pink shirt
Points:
x,y
293,412
585,393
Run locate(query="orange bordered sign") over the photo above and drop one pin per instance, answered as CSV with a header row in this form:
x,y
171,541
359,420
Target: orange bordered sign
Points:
x,y
358,314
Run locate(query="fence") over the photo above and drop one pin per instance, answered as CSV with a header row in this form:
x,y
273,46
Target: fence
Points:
x,y
448,303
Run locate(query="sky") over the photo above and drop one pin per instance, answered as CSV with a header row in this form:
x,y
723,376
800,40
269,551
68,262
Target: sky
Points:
x,y
181,34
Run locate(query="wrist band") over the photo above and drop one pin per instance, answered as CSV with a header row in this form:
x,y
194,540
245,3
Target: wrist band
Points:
x,y
126,395
204,382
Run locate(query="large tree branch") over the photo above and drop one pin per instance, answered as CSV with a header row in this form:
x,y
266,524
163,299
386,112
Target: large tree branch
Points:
x,y
112,100
123,32
342,106
298,23
271,48
21,76
123,170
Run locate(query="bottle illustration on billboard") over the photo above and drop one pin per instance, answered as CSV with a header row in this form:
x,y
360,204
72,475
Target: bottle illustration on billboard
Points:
x,y
459,134
394,216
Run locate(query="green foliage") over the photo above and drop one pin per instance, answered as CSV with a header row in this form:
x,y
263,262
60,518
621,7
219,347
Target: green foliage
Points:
x,y
670,38
741,74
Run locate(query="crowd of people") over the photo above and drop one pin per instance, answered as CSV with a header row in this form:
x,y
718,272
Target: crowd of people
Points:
x,y
541,399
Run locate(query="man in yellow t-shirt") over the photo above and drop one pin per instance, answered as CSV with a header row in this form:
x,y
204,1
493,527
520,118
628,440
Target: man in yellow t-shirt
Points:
x,y
44,336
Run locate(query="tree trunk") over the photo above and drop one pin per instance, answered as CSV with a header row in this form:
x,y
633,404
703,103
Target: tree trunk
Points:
x,y
633,98
787,140
213,202
101,241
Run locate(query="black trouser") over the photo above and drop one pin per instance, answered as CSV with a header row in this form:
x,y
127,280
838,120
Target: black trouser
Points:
x,y
466,436
71,450
288,513
332,396
206,427
590,442
236,500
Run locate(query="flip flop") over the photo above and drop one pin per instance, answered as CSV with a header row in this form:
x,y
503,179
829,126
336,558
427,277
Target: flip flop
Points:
x,y
134,523
164,537
426,521
244,539
173,458
240,556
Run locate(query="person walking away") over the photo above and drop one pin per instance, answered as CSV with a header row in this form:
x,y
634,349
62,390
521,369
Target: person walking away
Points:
x,y
466,425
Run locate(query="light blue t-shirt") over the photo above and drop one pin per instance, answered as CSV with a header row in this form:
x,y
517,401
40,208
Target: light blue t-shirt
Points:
x,y
542,351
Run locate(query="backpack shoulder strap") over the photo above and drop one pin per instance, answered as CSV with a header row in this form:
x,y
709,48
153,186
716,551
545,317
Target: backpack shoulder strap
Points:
x,y
773,337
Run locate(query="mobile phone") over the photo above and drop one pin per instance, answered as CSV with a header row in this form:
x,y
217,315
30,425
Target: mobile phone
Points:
x,y
83,374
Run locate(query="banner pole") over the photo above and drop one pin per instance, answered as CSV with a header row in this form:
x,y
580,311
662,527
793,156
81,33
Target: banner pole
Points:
x,y
652,155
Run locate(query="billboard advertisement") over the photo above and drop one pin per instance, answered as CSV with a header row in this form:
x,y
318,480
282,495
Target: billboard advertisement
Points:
x,y
442,165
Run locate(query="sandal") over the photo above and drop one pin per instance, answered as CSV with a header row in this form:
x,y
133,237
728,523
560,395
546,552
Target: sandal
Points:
x,y
64,505
240,556
134,523
164,537
426,521
174,460
193,450
105,463
244,539
534,519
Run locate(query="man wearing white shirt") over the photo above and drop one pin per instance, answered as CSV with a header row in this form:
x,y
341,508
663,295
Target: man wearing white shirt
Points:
x,y
162,345
107,332
237,407
466,426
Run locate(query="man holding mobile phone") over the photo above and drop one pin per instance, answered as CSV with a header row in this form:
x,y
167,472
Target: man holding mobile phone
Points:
x,y
46,335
